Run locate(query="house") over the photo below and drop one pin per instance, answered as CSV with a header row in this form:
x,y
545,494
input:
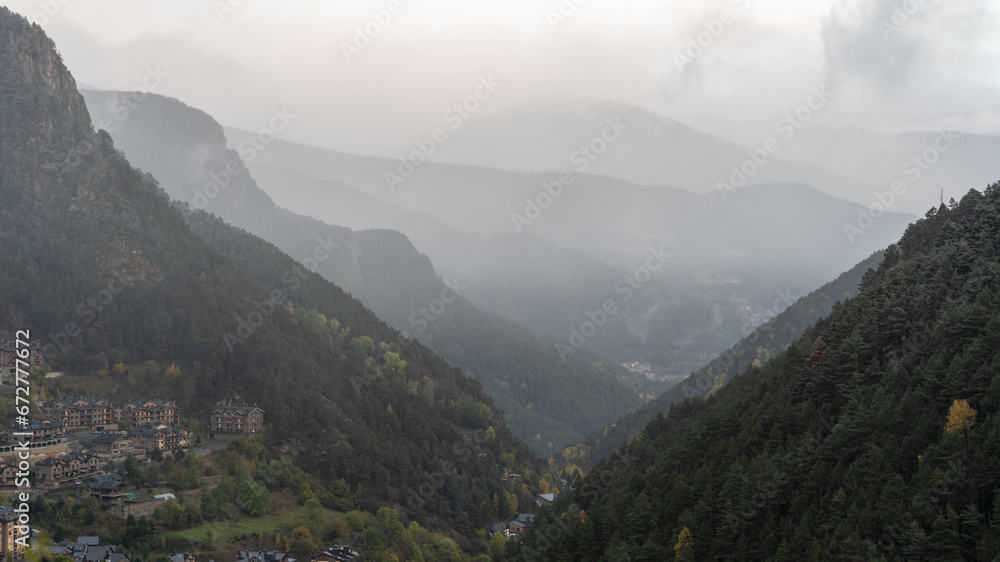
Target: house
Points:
x,y
112,446
98,553
42,430
545,499
60,470
9,533
9,354
523,521
234,417
497,528
88,549
154,410
106,486
79,411
155,483
181,557
8,476
262,556
335,553
152,435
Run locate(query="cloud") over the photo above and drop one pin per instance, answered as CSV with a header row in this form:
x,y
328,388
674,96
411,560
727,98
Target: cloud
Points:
x,y
907,63
262,55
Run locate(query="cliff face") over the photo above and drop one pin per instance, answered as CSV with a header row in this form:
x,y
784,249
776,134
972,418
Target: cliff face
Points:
x,y
37,90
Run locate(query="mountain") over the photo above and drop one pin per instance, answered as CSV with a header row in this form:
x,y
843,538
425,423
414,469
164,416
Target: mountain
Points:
x,y
548,401
651,149
676,326
100,265
613,220
873,436
925,162
728,260
757,348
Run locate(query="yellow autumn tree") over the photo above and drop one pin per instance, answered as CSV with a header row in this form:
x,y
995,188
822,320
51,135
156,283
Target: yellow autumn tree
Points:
x,y
961,418
685,544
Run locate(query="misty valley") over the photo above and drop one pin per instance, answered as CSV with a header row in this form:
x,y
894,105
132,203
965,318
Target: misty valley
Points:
x,y
508,306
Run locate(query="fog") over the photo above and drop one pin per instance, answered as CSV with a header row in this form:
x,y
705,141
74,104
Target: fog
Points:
x,y
541,153
238,59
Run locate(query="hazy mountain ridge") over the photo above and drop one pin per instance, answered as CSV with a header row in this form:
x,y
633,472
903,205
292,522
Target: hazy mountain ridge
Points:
x,y
383,270
653,150
872,436
77,218
758,348
607,218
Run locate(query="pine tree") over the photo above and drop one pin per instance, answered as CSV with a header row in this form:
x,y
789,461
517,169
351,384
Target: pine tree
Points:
x,y
816,355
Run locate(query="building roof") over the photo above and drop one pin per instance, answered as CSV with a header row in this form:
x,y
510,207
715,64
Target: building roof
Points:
x,y
68,401
261,555
236,404
110,437
65,459
150,429
42,424
98,553
89,541
338,553
104,482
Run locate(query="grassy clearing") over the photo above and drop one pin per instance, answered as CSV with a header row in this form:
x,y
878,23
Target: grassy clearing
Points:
x,y
214,535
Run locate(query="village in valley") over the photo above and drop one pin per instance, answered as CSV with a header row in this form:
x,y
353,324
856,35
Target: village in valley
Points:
x,y
94,448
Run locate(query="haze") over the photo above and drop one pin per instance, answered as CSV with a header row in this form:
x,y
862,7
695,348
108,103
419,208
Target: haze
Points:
x,y
238,60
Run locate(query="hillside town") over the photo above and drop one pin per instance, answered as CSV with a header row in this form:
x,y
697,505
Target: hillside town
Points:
x,y
77,437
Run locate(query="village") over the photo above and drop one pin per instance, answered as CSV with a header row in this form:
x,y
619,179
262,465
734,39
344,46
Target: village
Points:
x,y
82,444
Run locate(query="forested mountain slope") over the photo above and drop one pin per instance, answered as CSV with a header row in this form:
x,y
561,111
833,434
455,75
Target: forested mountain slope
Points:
x,y
547,401
874,436
758,347
98,264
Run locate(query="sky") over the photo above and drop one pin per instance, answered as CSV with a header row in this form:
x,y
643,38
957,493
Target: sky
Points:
x,y
366,76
